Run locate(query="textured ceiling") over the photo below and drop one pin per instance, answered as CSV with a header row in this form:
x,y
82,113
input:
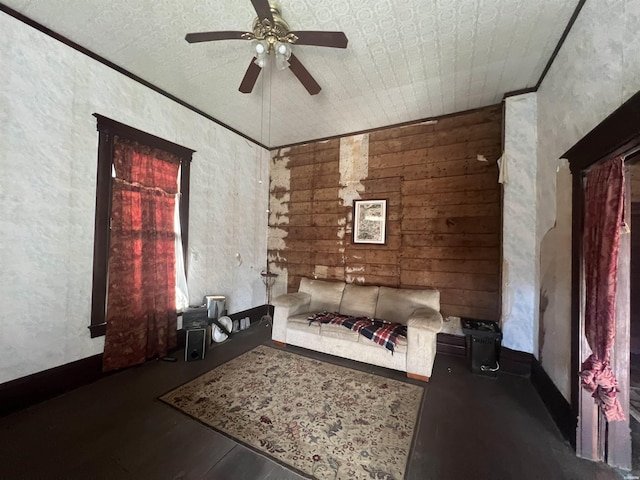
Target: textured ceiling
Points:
x,y
406,60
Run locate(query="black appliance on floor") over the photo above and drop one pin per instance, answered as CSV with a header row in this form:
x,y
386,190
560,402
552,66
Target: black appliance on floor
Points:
x,y
196,344
483,340
195,323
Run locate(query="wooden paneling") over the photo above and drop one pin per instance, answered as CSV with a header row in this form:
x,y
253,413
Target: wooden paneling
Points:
x,y
444,212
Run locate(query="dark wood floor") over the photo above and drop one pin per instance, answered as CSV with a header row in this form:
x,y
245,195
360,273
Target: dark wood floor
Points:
x,y
470,428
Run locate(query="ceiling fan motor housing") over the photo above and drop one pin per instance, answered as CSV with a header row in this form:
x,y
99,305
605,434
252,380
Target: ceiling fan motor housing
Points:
x,y
271,35
272,32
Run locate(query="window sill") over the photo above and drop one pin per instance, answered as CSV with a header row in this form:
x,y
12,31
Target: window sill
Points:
x,y
98,330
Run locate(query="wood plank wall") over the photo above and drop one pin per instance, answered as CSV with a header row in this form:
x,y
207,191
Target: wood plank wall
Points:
x,y
444,211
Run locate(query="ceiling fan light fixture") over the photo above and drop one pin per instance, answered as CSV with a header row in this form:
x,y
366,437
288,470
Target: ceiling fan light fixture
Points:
x,y
271,34
283,49
261,49
283,54
281,62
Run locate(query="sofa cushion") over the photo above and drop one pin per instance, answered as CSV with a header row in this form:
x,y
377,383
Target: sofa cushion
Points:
x,y
325,296
338,331
301,322
359,300
396,304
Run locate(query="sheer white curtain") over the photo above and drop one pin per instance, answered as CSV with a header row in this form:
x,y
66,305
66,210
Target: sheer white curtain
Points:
x,y
182,292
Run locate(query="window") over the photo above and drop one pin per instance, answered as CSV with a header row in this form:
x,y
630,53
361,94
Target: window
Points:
x,y
108,130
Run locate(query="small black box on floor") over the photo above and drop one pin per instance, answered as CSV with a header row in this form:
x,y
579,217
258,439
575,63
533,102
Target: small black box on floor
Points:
x,y
195,344
483,339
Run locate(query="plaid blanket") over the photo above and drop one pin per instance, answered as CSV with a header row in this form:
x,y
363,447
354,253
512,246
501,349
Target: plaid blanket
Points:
x,y
383,333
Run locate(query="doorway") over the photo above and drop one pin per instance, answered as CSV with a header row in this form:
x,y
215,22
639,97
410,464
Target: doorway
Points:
x,y
597,439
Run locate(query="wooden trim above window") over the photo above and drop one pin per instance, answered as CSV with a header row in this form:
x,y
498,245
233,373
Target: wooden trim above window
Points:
x,y
106,124
614,136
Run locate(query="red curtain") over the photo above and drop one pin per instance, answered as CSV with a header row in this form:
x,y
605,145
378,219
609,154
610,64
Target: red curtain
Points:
x,y
141,310
604,204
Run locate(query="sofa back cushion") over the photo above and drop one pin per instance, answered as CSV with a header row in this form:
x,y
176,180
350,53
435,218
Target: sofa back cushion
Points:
x,y
324,295
396,304
359,300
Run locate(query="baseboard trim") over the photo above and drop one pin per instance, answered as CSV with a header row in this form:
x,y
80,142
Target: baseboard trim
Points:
x,y
255,314
35,388
451,344
280,344
558,406
515,361
40,386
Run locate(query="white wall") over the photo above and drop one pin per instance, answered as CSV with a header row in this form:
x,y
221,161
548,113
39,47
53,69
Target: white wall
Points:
x,y
555,292
48,153
519,250
596,71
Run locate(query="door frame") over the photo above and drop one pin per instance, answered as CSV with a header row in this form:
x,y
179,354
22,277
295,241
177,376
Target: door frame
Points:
x,y
617,135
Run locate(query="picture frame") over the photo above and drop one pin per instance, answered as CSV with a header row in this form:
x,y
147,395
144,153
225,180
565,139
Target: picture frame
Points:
x,y
370,221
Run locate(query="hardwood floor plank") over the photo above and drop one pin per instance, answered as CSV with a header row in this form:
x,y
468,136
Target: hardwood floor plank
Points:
x,y
242,463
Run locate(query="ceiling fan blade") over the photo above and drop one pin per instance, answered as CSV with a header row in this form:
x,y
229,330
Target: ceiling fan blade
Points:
x,y
321,39
263,10
250,77
303,75
210,36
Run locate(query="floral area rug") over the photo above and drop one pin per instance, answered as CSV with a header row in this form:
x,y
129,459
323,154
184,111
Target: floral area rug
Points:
x,y
326,421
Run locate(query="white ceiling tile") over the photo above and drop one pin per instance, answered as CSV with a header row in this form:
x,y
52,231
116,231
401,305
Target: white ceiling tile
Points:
x,y
405,60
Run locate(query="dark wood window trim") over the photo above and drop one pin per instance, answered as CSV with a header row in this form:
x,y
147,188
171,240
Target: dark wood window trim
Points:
x,y
615,135
107,129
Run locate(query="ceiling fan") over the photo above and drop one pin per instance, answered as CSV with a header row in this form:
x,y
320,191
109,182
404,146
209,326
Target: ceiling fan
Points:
x,y
271,35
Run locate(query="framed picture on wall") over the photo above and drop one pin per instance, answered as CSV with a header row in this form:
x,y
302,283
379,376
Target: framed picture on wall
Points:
x,y
370,221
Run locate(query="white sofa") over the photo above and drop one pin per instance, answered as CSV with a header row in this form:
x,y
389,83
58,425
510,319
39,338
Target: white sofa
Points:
x,y
418,309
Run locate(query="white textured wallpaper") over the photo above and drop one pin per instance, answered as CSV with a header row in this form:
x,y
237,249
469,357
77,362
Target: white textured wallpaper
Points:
x,y
555,291
519,252
596,71
48,154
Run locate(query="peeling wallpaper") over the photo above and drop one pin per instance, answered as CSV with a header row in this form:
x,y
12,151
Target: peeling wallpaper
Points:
x,y
48,155
354,167
280,178
443,228
596,70
519,252
555,290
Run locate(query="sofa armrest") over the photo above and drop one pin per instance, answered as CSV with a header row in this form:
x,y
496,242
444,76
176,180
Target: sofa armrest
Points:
x,y
285,306
423,326
294,302
425,319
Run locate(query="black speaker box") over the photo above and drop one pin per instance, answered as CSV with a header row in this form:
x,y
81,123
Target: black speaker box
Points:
x,y
195,344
